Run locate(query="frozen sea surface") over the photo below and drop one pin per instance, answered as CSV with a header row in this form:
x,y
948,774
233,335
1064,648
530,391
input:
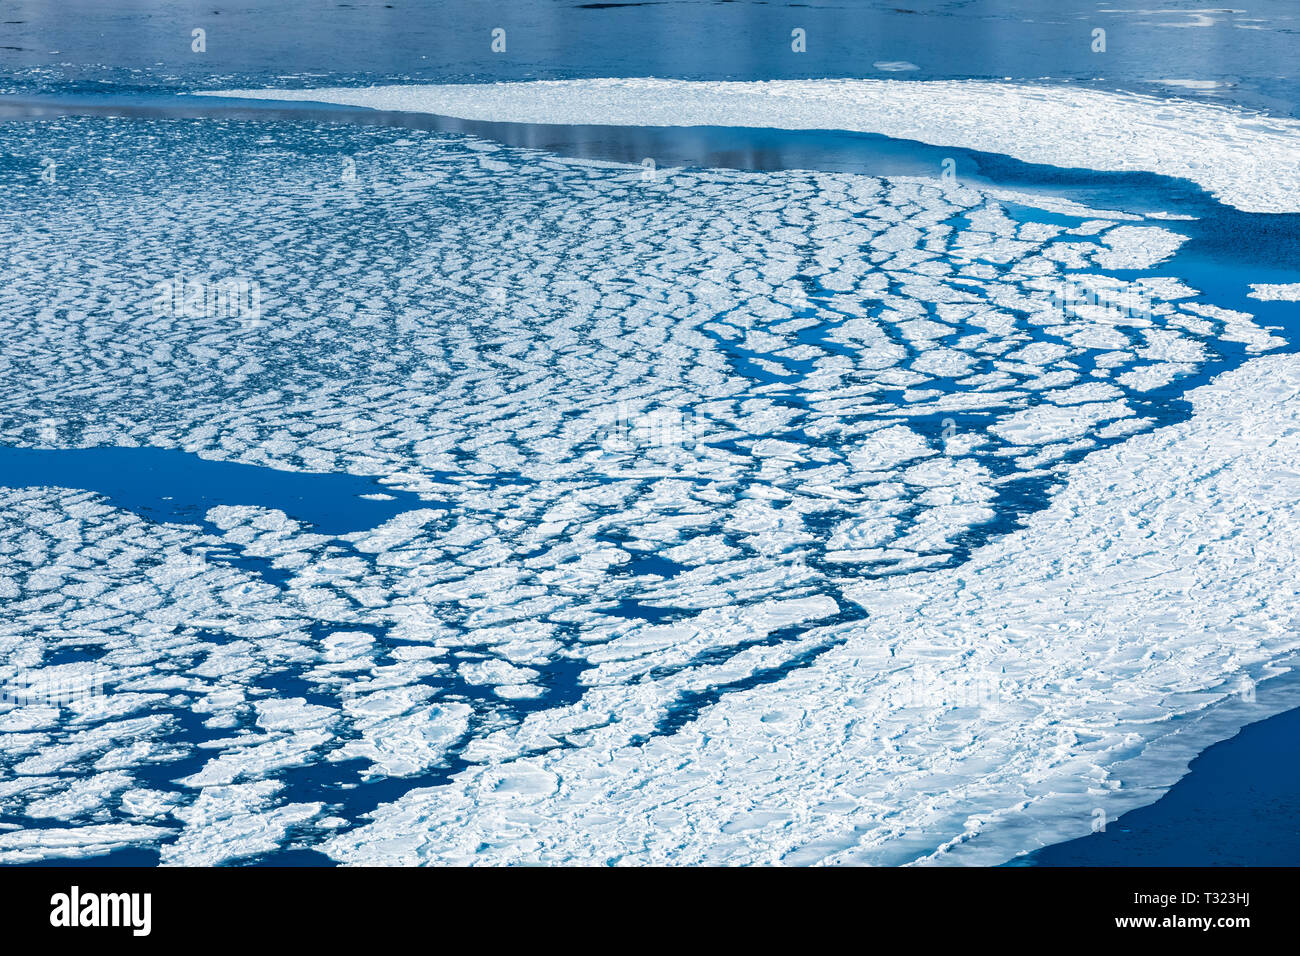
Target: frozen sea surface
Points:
x,y
900,507
1245,159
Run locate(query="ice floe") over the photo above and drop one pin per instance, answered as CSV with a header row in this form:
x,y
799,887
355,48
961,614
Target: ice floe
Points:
x,y
1287,292
1245,159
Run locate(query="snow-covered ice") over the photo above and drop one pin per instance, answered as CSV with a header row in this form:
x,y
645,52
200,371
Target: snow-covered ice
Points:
x,y
1244,159
712,476
1287,291
972,716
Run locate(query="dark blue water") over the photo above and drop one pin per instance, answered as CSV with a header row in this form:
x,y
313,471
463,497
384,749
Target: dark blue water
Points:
x,y
1239,805
164,484
88,45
